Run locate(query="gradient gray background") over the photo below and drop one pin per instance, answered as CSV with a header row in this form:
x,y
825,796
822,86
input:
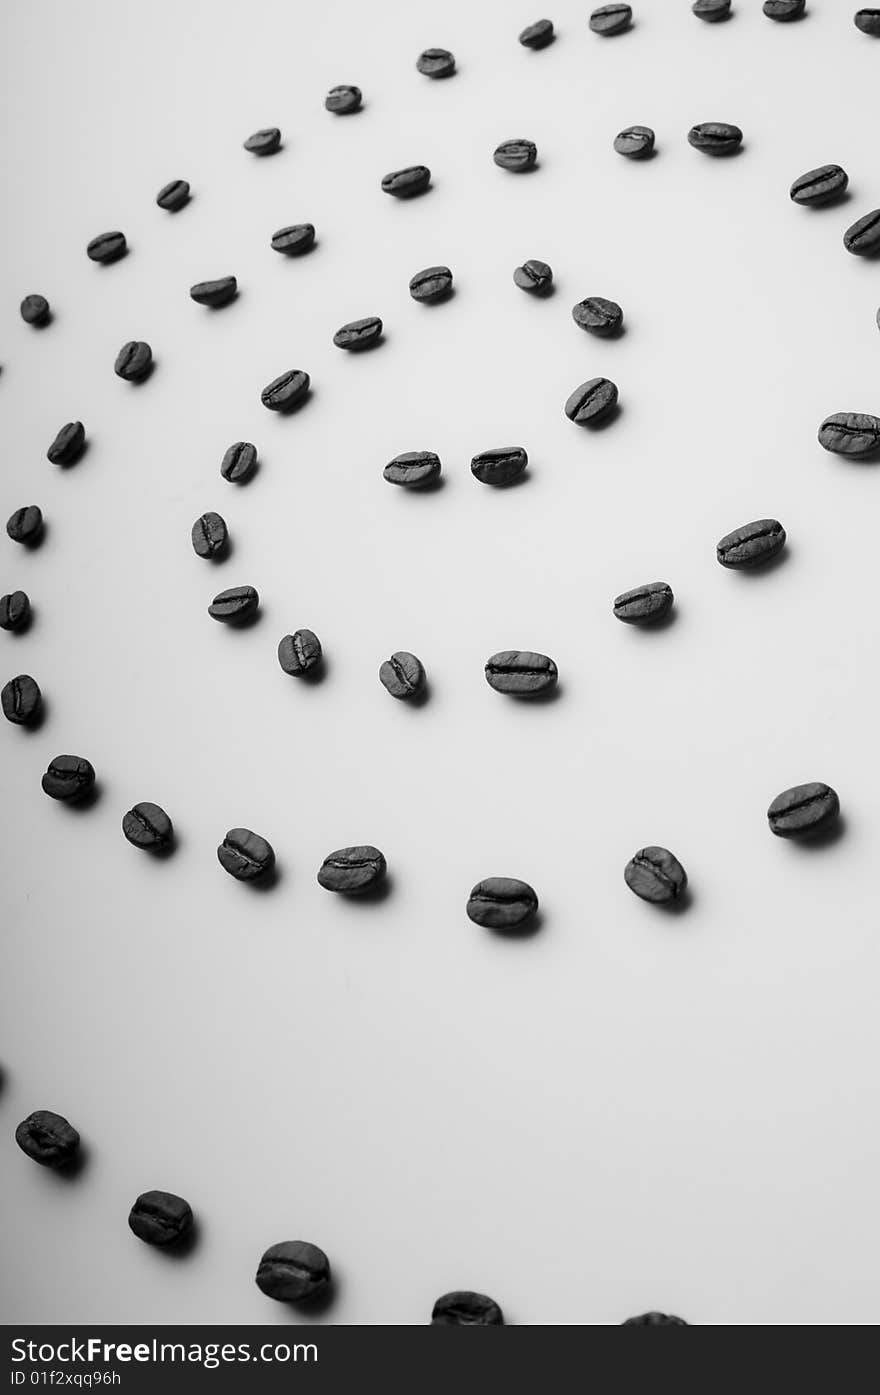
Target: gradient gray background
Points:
x,y
628,1110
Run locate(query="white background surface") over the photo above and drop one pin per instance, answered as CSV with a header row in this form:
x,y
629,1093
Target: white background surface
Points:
x,y
627,1110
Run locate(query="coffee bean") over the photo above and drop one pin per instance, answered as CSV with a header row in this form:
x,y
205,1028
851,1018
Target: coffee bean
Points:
x,y
407,183
466,1309
26,525
35,310
48,1138
868,21
752,545
209,535
654,1320
160,1218
343,100
294,240
300,652
521,672
214,293
413,469
711,10
499,466
173,196
403,675
21,700
239,461
107,247
784,9
245,855
850,433
655,875
15,611
715,137
805,809
636,142
359,334
287,391
352,870
293,1271
134,361
436,63
69,778
264,142
611,19
592,402
236,604
533,276
516,155
820,185
434,283
68,445
863,238
537,35
501,903
148,826
598,315
644,604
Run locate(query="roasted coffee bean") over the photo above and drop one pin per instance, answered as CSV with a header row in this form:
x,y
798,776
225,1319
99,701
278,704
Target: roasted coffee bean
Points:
x,y
21,700
820,185
516,155
214,293
413,469
850,433
537,35
533,276
107,247
352,870
236,604
715,137
655,875
611,19
466,1309
172,197
636,142
245,855
521,672
68,445
711,10
300,652
148,826
293,1271
406,183
644,604
209,535
48,1138
35,310
499,466
294,240
598,315
805,809
26,525
160,1218
359,334
343,99
436,63
592,402
287,391
434,283
654,1320
501,903
264,142
15,611
752,545
784,9
134,361
403,675
239,462
69,778
868,21
863,238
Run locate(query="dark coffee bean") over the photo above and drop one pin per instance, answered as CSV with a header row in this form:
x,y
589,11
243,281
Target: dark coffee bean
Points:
x,y
245,855
598,315
654,1320
173,196
752,545
863,238
501,903
805,809
287,391
711,10
611,19
107,247
134,361
239,461
784,9
636,142
592,402
264,142
644,604
26,525
820,185
15,611
209,535
655,875
868,21
234,605
537,35
521,672
516,155
850,433
436,63
352,870
533,276
413,469
403,675
293,1271
160,1218
294,240
499,466
434,283
148,826
406,183
466,1309
299,652
359,334
715,137
48,1138
68,445
343,100
35,310
69,778
21,700
214,293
